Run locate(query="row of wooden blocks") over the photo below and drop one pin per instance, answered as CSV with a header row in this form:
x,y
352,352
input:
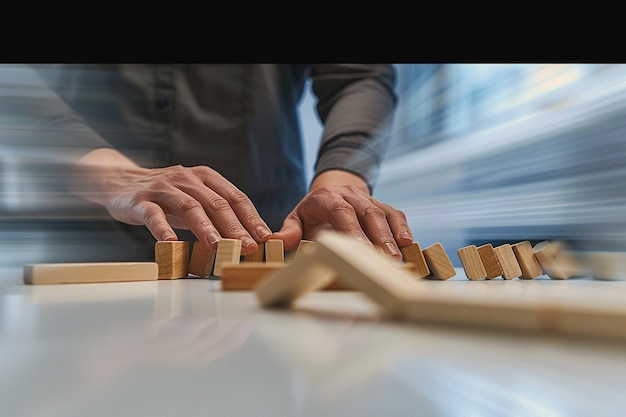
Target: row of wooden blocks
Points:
x,y
172,261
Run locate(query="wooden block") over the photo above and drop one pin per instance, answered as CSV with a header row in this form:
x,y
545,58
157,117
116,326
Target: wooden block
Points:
x,y
303,247
472,264
508,261
608,265
357,264
258,255
490,261
172,258
202,261
79,273
412,255
228,252
246,275
555,260
438,262
526,259
274,251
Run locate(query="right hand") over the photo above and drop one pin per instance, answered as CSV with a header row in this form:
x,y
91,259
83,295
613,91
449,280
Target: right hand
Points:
x,y
196,198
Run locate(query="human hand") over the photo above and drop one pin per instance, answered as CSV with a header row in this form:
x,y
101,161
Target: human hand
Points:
x,y
195,198
341,201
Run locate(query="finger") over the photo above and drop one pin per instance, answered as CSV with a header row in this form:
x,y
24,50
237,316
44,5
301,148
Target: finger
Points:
x,y
398,224
239,202
373,220
290,231
153,217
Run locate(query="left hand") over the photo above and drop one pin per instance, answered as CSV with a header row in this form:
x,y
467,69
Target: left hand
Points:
x,y
339,200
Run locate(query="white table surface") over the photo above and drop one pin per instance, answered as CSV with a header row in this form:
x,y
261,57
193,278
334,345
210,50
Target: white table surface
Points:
x,y
186,348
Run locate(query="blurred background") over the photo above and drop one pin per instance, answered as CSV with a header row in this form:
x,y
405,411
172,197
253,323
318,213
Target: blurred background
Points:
x,y
480,153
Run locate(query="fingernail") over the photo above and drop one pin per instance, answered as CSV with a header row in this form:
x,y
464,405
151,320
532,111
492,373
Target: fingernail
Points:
x,y
404,235
391,249
246,242
263,232
169,237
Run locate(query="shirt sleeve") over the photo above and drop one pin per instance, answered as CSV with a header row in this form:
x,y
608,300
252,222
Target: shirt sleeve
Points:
x,y
355,104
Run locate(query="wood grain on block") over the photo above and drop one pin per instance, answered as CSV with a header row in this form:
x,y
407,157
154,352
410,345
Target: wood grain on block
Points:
x,y
527,261
172,258
274,251
202,260
228,252
256,256
413,256
555,260
508,261
246,275
490,261
471,262
438,262
91,272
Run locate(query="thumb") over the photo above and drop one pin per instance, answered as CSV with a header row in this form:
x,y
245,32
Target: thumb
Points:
x,y
290,233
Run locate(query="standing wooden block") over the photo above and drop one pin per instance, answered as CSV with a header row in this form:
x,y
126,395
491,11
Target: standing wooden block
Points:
x,y
202,260
93,272
527,261
172,258
472,264
438,262
303,247
274,251
228,252
412,255
490,261
508,261
258,255
555,260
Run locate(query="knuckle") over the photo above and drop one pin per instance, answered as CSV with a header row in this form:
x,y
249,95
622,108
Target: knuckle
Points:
x,y
373,211
218,204
188,205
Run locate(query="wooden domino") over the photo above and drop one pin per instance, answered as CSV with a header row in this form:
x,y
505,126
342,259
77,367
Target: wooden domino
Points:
x,y
413,256
359,265
490,261
256,256
527,261
303,247
472,263
172,258
274,251
91,272
544,309
228,252
438,262
555,260
202,260
508,262
246,275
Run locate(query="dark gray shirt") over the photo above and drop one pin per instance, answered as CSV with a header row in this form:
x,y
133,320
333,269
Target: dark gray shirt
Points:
x,y
240,119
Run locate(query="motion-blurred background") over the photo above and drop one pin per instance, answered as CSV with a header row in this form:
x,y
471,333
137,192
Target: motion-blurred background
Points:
x,y
479,153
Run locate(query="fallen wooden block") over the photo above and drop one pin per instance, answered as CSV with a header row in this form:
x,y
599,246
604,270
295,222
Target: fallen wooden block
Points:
x,y
413,256
92,272
526,259
490,261
543,310
555,260
357,264
202,260
172,256
472,263
508,261
438,262
245,276
303,247
228,252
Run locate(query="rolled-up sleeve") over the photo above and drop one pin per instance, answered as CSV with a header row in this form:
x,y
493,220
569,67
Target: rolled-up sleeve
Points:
x,y
355,104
